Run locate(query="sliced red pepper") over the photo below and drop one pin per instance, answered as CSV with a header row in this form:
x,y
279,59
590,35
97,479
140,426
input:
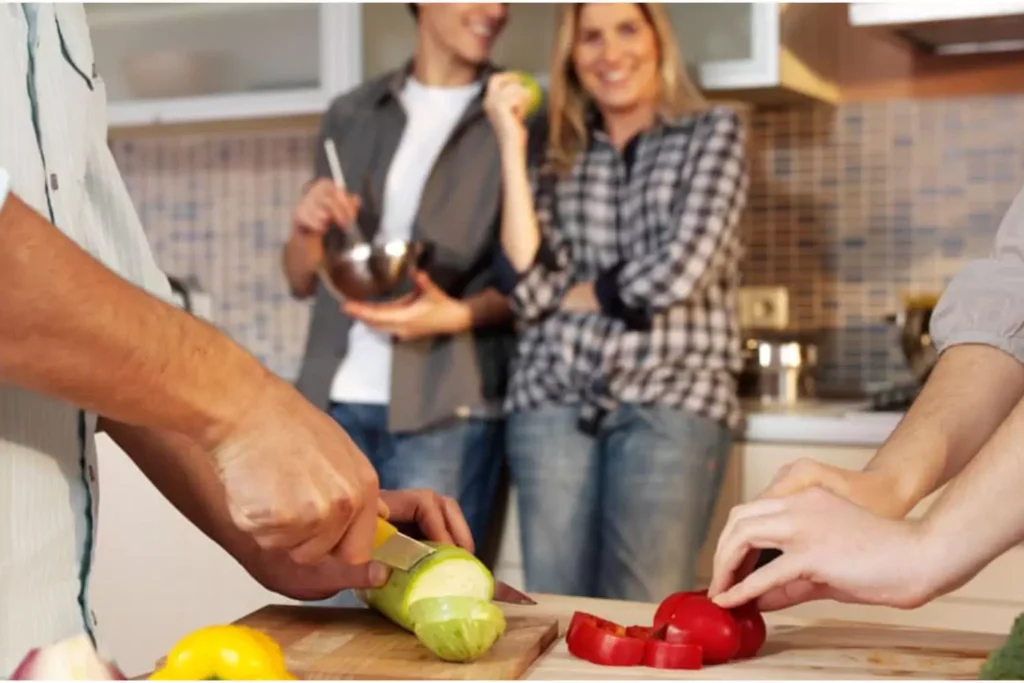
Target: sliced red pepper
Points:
x,y
603,642
671,633
585,617
641,632
663,655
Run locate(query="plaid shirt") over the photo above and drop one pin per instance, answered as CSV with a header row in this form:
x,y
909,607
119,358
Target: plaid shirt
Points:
x,y
656,230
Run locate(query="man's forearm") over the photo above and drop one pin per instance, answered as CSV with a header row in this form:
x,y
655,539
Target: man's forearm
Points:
x,y
72,329
299,267
981,513
969,393
184,473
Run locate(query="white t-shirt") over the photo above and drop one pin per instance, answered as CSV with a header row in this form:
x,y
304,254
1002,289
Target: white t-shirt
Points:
x,y
364,375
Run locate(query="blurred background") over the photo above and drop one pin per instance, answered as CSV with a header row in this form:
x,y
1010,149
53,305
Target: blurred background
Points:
x,y
885,149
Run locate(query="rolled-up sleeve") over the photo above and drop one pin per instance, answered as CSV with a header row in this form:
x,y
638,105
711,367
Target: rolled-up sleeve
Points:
x,y
984,304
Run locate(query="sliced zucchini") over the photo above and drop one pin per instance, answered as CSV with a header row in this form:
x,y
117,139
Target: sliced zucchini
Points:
x,y
448,572
457,629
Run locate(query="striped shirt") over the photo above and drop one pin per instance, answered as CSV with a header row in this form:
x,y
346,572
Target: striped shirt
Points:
x,y
53,147
656,230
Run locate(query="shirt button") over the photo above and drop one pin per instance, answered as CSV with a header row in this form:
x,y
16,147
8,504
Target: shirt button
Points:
x,y
53,181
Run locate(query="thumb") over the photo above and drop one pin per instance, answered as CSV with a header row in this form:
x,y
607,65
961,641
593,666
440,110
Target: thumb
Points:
x,y
424,283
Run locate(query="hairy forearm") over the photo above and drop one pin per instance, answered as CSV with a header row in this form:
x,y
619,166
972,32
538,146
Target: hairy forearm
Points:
x,y
981,513
299,266
184,473
520,234
73,329
970,392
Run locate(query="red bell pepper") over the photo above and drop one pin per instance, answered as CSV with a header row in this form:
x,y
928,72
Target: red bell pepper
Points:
x,y
641,632
602,642
663,655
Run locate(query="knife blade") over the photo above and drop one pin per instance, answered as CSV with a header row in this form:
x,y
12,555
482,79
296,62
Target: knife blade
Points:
x,y
395,549
506,593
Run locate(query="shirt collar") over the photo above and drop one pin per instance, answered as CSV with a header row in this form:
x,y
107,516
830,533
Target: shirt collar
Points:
x,y
391,87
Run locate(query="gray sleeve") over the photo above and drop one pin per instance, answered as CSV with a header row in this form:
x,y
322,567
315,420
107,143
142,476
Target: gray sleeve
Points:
x,y
984,304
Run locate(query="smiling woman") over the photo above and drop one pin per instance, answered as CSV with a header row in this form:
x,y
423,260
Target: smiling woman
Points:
x,y
620,257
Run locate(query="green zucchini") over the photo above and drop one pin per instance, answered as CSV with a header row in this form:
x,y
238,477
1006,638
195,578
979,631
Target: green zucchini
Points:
x,y
445,599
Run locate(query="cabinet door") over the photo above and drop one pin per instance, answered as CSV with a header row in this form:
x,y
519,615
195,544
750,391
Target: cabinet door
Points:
x,y
728,45
389,37
176,62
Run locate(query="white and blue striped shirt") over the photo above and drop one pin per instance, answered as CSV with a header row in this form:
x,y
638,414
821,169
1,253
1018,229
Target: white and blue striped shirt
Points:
x,y
53,147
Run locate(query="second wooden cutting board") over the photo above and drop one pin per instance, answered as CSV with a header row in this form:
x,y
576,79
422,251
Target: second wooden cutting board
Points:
x,y
344,643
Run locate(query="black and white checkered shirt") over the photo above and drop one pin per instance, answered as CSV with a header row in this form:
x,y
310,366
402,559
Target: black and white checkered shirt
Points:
x,y
656,229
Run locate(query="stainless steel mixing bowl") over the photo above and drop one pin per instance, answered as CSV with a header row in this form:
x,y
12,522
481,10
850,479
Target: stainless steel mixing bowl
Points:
x,y
353,270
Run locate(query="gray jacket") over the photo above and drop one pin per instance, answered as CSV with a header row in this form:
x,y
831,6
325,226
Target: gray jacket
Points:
x,y
437,379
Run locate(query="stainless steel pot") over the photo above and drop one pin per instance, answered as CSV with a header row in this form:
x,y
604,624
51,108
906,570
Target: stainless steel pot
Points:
x,y
915,338
778,368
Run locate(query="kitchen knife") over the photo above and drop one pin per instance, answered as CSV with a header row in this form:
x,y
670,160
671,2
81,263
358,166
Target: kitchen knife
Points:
x,y
395,549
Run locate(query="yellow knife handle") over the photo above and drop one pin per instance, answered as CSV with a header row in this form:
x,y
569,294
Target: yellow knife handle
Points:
x,y
385,530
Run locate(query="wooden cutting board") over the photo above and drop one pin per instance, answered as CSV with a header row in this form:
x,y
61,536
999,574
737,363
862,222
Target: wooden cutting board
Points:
x,y
353,643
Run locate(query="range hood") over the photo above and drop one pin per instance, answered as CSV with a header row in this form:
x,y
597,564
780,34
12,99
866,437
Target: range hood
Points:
x,y
946,27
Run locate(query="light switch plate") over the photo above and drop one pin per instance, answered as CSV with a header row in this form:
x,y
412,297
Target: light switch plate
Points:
x,y
764,308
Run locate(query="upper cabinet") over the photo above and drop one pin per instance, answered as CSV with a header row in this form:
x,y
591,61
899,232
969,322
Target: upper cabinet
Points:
x,y
186,62
764,52
190,62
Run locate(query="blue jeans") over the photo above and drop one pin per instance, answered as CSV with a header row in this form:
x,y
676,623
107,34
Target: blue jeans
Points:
x,y
462,460
622,514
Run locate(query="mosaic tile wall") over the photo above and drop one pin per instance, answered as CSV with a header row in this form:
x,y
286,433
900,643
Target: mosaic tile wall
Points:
x,y
850,209
854,207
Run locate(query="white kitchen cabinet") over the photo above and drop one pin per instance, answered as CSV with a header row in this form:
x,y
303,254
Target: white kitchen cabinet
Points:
x,y
189,62
763,52
201,62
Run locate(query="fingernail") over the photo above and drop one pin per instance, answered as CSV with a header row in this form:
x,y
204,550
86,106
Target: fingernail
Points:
x,y
379,574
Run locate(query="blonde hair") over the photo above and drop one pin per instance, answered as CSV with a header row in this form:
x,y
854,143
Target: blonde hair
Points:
x,y
568,102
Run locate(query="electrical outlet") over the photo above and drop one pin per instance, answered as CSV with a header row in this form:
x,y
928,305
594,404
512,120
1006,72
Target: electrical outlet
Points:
x,y
764,308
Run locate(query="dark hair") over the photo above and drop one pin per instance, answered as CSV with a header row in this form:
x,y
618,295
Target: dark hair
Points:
x,y
414,9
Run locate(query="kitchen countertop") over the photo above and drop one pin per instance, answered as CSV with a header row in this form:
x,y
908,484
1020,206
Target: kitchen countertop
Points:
x,y
822,422
796,648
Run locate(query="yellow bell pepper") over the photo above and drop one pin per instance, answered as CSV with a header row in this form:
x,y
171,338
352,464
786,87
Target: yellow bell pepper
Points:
x,y
236,653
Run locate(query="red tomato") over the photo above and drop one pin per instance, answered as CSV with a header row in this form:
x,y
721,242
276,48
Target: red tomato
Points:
x,y
664,613
752,629
712,627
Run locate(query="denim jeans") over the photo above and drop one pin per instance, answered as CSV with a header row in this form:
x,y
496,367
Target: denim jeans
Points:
x,y
622,514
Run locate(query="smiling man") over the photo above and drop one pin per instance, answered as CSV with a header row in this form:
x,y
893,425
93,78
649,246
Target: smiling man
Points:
x,y
418,385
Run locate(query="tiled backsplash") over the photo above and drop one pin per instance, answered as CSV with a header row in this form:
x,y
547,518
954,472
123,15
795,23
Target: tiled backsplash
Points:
x,y
850,208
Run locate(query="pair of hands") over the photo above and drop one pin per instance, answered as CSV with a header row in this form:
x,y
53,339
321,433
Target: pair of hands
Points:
x,y
426,312
439,518
841,535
